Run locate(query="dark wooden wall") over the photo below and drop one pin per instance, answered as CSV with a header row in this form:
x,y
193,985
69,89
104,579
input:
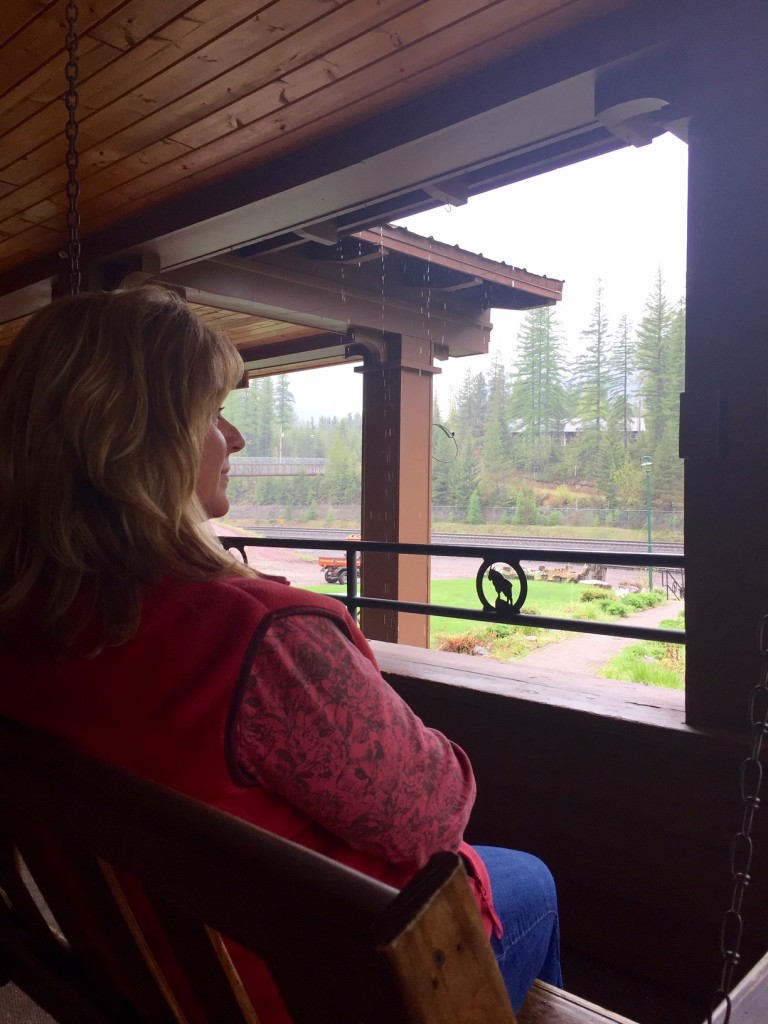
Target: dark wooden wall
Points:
x,y
633,818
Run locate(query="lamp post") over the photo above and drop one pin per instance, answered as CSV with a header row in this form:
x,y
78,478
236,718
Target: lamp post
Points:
x,y
646,463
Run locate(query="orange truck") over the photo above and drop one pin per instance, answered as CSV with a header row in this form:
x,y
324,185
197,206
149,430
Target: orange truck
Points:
x,y
335,569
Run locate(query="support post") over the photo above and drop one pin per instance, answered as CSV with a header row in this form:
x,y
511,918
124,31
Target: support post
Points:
x,y
725,410
397,482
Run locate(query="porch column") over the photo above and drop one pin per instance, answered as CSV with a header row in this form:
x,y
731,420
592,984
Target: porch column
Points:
x,y
397,483
724,422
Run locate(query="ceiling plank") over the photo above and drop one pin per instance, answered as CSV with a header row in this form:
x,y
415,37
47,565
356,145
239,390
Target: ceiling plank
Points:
x,y
192,110
42,40
201,84
156,70
43,88
14,17
138,179
170,80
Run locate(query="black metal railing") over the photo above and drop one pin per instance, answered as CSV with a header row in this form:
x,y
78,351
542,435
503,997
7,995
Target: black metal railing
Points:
x,y
506,607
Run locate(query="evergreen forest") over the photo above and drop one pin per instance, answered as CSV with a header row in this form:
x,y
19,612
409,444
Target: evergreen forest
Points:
x,y
534,435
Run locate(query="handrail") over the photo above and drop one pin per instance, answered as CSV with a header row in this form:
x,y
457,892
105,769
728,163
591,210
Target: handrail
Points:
x,y
501,612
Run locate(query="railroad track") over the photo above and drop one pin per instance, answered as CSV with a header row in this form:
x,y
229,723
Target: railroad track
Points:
x,y
494,541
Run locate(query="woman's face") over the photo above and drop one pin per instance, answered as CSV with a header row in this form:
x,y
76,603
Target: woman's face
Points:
x,y
221,440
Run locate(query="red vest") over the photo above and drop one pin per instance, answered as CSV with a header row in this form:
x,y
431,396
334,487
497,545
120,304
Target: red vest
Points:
x,y
159,706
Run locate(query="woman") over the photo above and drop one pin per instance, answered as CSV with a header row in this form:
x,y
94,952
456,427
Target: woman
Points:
x,y
127,629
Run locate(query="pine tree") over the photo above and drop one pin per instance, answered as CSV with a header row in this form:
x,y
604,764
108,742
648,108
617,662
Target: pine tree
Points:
x,y
610,457
621,371
526,509
284,413
590,382
656,361
497,385
463,476
467,422
628,483
238,408
591,374
538,399
342,468
474,509
667,475
470,409
496,447
676,364
495,451
443,455
264,420
669,485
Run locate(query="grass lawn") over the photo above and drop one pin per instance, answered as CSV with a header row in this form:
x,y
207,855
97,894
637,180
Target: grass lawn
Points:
x,y
651,662
543,598
503,640
558,599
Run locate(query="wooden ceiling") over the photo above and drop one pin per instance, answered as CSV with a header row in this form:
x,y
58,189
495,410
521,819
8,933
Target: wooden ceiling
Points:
x,y
245,128
175,95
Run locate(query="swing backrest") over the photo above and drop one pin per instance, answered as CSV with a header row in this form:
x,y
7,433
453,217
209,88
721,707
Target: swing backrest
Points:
x,y
341,946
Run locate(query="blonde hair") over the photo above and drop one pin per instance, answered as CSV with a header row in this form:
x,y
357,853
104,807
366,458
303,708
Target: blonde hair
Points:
x,y
105,400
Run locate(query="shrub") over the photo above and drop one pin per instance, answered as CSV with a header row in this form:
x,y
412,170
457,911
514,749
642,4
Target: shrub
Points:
x,y
613,608
596,594
462,643
497,631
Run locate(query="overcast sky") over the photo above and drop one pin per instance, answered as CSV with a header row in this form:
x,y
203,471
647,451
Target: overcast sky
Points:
x,y
617,217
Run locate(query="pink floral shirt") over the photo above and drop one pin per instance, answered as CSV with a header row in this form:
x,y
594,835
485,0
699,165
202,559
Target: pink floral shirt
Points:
x,y
315,724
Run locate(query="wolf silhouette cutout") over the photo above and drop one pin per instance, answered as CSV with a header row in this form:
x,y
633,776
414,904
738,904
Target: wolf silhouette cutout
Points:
x,y
502,585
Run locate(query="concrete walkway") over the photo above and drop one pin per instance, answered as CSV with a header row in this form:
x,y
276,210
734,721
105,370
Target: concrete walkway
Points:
x,y
588,652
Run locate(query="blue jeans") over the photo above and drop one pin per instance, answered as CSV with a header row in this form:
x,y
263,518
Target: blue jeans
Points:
x,y
524,897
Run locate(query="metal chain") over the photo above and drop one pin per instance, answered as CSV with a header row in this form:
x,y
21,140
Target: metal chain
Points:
x,y
750,781
72,160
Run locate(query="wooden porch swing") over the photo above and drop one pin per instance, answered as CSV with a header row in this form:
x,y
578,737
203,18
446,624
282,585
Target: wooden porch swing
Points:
x,y
341,946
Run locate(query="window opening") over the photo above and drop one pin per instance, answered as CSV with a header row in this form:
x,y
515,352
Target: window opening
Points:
x,y
562,433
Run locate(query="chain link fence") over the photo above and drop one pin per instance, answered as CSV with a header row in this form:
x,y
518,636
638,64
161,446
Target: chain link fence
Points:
x,y
664,521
